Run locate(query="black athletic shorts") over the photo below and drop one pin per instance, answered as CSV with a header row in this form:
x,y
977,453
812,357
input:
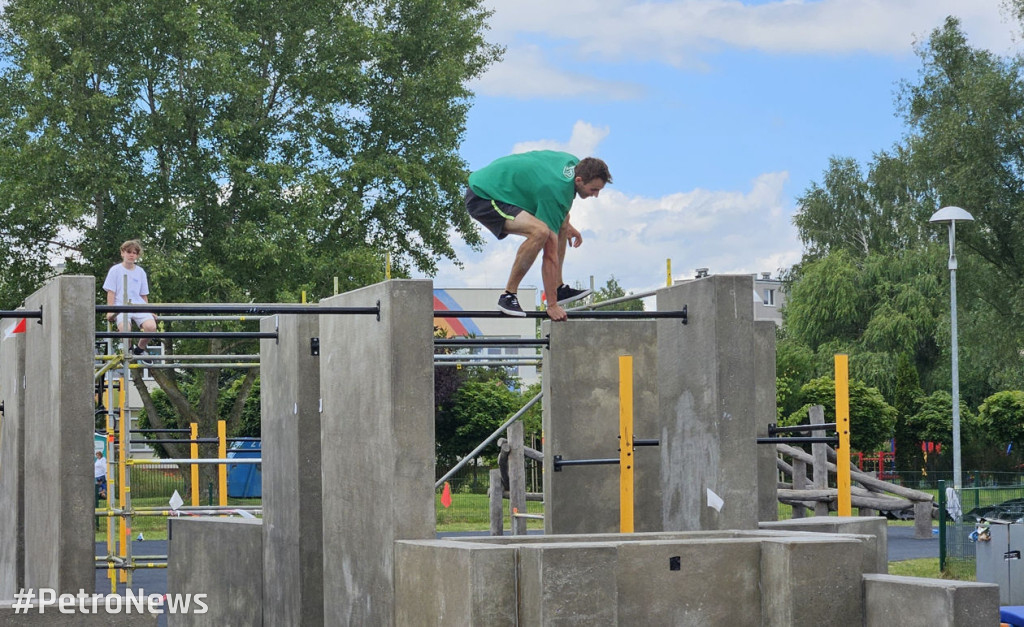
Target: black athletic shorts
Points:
x,y
491,213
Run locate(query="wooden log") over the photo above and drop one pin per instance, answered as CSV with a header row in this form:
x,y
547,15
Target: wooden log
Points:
x,y
517,478
860,477
496,503
860,498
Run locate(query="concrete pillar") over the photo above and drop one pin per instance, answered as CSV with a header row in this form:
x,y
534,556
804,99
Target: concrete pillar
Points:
x,y
292,496
765,404
581,421
12,461
706,380
59,426
920,602
377,438
803,585
221,559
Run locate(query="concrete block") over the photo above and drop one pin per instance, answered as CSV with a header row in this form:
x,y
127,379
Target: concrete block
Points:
x,y
706,382
765,414
921,602
221,558
702,581
581,421
292,494
12,462
96,615
59,425
876,556
807,582
453,583
568,584
377,439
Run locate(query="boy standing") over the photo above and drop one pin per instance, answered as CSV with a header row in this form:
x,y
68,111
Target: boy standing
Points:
x,y
138,292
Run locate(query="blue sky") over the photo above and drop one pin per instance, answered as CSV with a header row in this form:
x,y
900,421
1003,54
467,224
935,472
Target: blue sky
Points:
x,y
713,116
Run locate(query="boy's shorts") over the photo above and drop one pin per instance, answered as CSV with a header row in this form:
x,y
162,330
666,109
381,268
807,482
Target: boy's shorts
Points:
x,y
137,318
491,213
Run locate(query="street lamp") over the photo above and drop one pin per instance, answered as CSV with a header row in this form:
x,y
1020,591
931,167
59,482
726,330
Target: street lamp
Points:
x,y
951,215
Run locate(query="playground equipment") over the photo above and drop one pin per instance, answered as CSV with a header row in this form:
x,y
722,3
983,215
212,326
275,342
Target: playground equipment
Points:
x,y
704,388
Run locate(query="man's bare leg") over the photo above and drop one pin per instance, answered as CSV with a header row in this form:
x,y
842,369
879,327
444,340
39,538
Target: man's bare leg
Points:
x,y
536,234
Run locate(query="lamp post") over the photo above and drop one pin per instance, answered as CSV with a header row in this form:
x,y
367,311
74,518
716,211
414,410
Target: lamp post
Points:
x,y
951,215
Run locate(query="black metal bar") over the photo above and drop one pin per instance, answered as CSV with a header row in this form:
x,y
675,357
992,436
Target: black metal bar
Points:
x,y
559,462
160,431
254,310
188,334
21,313
772,429
246,439
516,341
579,314
637,442
800,440
176,441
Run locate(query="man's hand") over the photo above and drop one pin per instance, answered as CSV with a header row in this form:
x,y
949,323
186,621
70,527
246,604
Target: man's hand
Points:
x,y
573,236
111,316
556,313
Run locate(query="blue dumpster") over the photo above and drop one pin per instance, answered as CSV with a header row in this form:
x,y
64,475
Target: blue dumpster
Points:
x,y
245,481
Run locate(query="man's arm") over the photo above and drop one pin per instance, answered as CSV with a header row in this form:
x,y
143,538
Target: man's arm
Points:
x,y
550,272
110,301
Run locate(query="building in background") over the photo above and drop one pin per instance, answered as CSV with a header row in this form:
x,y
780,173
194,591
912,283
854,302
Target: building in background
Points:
x,y
505,327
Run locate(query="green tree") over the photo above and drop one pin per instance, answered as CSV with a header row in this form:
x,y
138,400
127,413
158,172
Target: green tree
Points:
x,y
259,149
612,290
1003,414
872,420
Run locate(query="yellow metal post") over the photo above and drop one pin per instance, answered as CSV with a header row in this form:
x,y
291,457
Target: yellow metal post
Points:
x,y
668,271
843,427
222,468
387,269
123,427
194,468
626,443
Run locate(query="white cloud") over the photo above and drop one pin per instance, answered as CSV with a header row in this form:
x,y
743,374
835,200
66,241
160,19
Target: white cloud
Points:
x,y
683,33
583,142
525,73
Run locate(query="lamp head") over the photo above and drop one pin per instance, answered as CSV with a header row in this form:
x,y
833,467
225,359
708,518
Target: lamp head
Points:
x,y
951,214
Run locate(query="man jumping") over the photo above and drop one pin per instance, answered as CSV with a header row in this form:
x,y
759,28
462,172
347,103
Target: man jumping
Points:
x,y
530,194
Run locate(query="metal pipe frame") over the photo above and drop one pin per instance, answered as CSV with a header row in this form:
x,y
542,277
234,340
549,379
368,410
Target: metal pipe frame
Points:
x,y
256,335
190,364
21,313
490,364
573,313
513,341
613,301
187,461
252,309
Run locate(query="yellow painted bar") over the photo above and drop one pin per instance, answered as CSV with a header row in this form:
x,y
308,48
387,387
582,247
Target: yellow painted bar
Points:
x,y
843,427
194,454
668,272
222,469
122,457
626,444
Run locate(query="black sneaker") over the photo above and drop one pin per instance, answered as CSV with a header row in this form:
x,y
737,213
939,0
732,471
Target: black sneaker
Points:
x,y
509,305
567,294
139,355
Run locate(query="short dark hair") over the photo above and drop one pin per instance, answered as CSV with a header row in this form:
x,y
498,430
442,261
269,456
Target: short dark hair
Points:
x,y
591,168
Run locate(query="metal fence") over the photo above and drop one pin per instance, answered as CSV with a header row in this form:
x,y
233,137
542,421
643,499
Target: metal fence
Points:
x,y
956,548
973,478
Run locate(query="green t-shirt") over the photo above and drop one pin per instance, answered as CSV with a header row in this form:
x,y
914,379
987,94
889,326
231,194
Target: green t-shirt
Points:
x,y
542,182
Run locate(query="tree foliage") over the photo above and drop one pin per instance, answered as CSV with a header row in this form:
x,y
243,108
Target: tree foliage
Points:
x,y
612,290
872,420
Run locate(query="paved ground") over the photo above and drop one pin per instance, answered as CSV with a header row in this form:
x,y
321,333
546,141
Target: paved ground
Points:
x,y
904,546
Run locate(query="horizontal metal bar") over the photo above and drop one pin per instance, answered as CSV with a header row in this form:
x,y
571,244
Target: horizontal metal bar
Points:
x,y
160,431
240,308
189,334
189,364
487,364
654,442
772,429
21,313
172,357
515,341
614,301
580,314
559,462
530,516
186,460
799,440
175,441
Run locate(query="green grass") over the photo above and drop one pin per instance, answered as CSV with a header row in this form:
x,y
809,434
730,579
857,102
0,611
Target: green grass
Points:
x,y
929,567
152,527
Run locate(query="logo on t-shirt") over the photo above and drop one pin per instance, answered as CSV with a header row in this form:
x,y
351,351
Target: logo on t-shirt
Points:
x,y
569,172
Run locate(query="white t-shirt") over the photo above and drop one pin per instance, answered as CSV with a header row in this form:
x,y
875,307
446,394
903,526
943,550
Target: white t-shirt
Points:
x,y
100,468
138,285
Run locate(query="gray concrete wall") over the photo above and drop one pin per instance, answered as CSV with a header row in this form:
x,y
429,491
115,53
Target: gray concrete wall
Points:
x,y
445,583
12,462
377,438
920,602
581,421
765,414
875,527
706,378
95,616
58,432
805,583
292,511
221,558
